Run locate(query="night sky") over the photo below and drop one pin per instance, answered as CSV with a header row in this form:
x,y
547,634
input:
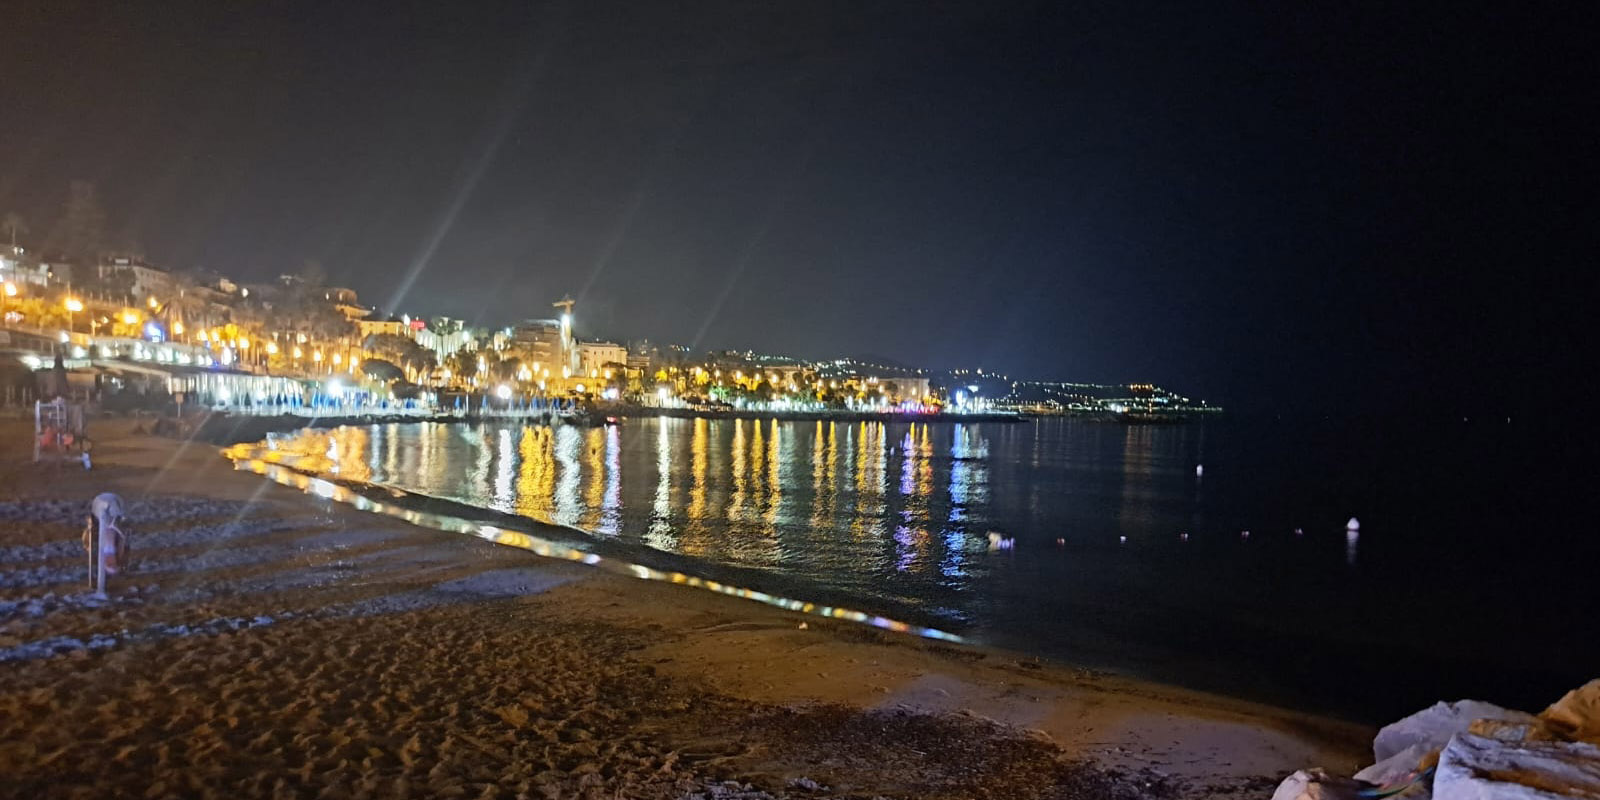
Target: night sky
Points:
x,y
1332,204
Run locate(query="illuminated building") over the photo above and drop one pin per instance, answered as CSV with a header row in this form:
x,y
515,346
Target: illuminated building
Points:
x,y
595,358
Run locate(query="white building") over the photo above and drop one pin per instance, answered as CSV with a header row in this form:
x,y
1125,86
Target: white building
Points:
x,y
148,280
594,358
443,335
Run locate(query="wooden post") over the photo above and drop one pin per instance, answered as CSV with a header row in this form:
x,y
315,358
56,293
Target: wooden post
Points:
x,y
99,562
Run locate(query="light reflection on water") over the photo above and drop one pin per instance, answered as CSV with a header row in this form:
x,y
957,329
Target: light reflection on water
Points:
x,y
899,511
852,503
896,519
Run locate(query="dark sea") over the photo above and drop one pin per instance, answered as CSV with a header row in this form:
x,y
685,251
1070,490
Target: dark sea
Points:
x,y
1214,555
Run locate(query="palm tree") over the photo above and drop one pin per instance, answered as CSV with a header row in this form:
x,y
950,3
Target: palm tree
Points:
x,y
14,225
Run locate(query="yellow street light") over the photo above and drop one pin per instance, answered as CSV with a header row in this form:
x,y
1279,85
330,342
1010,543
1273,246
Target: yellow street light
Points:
x,y
130,317
298,353
317,356
177,329
74,305
272,348
11,289
152,302
244,343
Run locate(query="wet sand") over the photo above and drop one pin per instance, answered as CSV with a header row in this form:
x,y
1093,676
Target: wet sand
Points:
x,y
269,643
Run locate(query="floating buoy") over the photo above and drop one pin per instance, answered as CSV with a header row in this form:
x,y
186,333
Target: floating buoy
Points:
x,y
1299,532
1183,537
1061,542
1353,525
1244,534
1124,540
1199,469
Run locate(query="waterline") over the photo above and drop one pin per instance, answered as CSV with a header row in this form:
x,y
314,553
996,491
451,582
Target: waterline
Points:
x,y
251,460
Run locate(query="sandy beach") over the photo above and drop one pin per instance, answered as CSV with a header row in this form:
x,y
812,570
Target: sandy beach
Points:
x,y
270,643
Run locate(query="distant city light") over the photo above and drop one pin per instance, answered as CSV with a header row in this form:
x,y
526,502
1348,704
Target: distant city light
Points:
x,y
503,392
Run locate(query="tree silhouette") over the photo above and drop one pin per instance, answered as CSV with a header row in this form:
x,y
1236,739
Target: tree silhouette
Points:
x,y
381,370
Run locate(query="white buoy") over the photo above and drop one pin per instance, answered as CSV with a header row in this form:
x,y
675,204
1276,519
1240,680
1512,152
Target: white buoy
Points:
x,y
1353,525
1199,470
1124,540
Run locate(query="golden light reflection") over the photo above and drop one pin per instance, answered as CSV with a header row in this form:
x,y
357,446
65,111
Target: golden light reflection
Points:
x,y
737,465
734,490
244,458
824,474
536,479
594,467
694,535
871,481
776,466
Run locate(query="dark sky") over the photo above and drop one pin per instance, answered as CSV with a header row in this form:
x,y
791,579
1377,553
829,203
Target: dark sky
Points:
x,y
1230,201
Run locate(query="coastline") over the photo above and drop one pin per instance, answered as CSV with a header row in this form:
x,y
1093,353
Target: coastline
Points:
x,y
368,595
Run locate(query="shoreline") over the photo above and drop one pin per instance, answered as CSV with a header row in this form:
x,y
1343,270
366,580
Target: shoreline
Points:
x,y
756,662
